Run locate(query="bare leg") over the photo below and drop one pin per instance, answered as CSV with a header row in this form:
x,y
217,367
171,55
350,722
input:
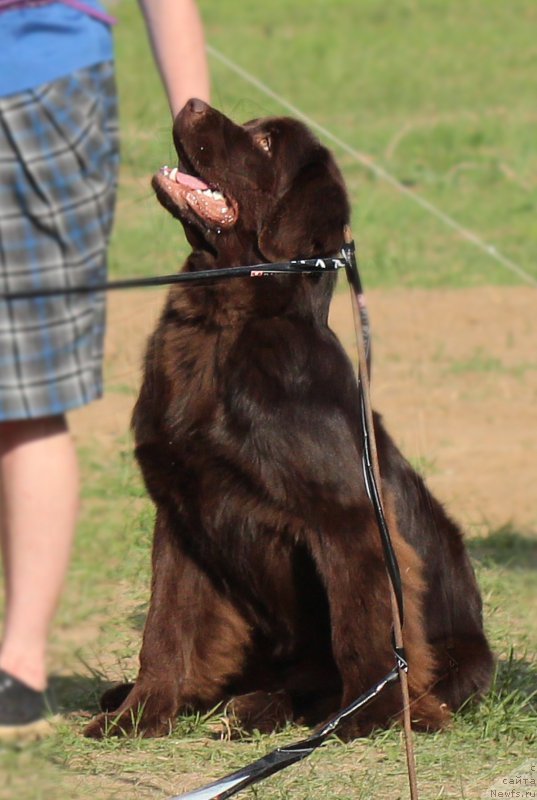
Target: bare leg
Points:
x,y
39,504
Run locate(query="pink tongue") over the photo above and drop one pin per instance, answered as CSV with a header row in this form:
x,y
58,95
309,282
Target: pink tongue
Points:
x,y
190,180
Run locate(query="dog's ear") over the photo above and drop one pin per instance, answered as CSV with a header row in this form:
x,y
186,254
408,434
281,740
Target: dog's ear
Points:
x,y
309,218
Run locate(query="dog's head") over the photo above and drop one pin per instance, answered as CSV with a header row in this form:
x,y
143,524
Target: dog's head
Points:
x,y
263,191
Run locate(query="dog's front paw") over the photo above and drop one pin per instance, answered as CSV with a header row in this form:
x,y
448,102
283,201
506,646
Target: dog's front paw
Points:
x,y
98,728
140,714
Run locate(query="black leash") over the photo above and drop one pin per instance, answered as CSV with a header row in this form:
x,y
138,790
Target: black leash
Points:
x,y
283,757
372,475
307,266
364,332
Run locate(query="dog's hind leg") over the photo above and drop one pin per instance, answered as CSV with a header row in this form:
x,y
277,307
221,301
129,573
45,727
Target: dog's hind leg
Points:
x,y
112,698
194,643
452,606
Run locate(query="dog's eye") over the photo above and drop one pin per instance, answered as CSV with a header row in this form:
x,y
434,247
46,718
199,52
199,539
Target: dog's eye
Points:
x,y
264,143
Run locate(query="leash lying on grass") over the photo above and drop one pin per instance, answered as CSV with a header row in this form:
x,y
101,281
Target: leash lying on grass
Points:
x,y
285,756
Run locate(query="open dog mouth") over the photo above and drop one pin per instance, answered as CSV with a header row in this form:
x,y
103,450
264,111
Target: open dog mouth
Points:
x,y
206,201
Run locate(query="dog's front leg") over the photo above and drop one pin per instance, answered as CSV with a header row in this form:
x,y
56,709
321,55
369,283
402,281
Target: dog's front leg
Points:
x,y
193,642
350,562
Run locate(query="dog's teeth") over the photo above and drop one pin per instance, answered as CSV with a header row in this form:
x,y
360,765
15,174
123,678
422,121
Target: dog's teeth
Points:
x,y
212,193
173,174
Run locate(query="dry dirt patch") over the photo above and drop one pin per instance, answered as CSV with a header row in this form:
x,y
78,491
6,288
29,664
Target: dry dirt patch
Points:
x,y
454,374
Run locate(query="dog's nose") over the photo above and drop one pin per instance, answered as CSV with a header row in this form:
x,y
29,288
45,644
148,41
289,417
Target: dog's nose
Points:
x,y
197,106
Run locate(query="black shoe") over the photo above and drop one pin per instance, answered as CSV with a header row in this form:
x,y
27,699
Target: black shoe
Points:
x,y
22,709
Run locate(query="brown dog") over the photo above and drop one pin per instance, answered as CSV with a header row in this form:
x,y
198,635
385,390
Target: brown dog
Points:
x,y
269,587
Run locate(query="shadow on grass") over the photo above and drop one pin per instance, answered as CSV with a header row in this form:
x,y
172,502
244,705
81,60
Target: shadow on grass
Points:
x,y
507,547
75,693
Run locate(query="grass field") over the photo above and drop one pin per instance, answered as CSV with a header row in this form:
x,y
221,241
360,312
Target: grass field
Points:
x,y
441,95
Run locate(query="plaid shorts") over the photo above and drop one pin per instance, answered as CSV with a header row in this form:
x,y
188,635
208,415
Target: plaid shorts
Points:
x,y
58,164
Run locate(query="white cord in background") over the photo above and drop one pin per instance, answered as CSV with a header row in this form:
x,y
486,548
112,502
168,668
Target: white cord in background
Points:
x,y
489,249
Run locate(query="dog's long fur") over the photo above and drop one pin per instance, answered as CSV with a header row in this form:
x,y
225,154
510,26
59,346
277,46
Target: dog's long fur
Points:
x,y
269,588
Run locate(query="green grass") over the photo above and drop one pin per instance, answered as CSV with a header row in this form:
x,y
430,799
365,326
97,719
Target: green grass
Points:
x,y
482,362
439,94
442,95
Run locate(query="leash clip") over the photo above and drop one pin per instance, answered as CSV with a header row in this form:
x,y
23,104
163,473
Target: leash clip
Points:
x,y
401,659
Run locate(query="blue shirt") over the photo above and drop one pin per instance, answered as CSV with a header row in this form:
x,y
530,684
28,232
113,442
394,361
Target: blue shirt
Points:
x,y
40,44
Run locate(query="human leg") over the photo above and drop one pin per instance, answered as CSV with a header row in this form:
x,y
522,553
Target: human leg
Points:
x,y
39,503
59,205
